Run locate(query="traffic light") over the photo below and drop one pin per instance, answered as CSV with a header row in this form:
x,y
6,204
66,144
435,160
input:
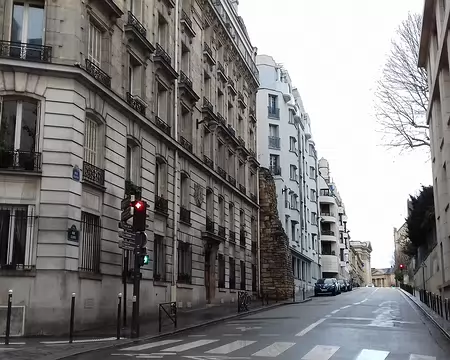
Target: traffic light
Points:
x,y
139,215
144,259
402,266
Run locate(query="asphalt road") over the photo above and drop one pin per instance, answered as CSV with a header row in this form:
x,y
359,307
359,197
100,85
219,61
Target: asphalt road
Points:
x,y
365,324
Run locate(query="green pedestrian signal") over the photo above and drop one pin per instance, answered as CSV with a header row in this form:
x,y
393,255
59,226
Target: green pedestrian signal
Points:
x,y
146,259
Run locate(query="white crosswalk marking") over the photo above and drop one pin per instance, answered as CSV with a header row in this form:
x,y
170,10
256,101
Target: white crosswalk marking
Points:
x,y
150,345
321,352
274,350
227,348
188,346
421,357
367,354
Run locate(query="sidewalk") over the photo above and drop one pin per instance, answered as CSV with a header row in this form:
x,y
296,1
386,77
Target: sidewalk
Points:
x,y
440,322
55,349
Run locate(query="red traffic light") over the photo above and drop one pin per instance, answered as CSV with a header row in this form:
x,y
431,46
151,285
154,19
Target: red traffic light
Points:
x,y
139,205
401,266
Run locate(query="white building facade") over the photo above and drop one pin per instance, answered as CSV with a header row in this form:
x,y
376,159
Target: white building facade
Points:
x,y
333,222
101,99
285,146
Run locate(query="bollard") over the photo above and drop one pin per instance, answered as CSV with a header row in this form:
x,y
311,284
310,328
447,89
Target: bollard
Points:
x,y
8,318
119,308
72,314
293,294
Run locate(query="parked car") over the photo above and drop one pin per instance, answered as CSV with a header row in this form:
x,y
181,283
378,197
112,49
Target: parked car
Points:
x,y
342,285
349,286
326,286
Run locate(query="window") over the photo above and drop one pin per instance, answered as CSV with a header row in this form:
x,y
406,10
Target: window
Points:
x,y
90,246
159,262
292,143
19,126
231,215
232,276
254,274
313,195
210,204
251,136
135,7
230,114
185,59
220,154
291,117
221,211
91,136
312,151
132,166
135,76
273,103
160,177
241,173
231,164
28,23
312,172
162,102
221,260
274,164
293,231
184,190
293,172
162,31
273,130
186,123
252,182
184,262
313,218
95,44
220,101
341,254
243,280
16,233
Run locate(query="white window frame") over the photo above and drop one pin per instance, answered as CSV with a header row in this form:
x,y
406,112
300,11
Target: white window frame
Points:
x,y
26,10
135,76
91,141
29,233
95,55
18,128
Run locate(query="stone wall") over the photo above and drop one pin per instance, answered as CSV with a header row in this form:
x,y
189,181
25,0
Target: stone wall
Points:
x,y
277,280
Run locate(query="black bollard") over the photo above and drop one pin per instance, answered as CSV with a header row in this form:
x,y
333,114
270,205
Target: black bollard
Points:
x,y
293,294
119,308
8,317
72,314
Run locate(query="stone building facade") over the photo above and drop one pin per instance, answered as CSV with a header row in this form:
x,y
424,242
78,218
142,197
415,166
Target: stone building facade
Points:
x,y
363,249
104,98
277,277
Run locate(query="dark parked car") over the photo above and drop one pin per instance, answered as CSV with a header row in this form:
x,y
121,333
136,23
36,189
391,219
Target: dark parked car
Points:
x,y
342,285
326,286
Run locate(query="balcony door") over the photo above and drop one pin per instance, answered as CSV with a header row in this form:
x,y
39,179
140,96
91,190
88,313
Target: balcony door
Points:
x,y
28,22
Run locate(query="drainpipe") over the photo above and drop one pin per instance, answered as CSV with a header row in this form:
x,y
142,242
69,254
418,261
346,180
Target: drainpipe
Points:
x,y
173,292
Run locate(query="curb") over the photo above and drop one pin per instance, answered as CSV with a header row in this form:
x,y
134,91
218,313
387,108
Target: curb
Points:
x,y
119,343
431,318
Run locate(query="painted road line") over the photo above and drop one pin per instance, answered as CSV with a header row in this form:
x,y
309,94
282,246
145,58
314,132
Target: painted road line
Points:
x,y
60,342
421,357
310,327
150,345
232,334
327,316
335,311
321,352
269,335
227,348
371,319
356,303
188,346
274,350
367,354
196,335
345,307
144,356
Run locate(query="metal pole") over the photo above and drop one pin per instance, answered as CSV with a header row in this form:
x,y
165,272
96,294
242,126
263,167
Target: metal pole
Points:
x,y
136,287
72,314
125,285
8,317
119,308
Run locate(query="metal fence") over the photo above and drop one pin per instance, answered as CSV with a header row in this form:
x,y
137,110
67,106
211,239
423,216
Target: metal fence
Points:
x,y
435,302
90,243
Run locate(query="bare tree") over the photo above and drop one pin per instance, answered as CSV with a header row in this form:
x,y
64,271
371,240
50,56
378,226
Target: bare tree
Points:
x,y
401,98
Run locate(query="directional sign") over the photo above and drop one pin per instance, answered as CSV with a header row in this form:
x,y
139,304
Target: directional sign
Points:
x,y
127,236
127,214
126,202
125,226
123,244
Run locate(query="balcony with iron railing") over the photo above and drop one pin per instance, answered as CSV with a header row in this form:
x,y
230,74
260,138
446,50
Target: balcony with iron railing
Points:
x,y
136,103
275,170
231,86
221,72
242,189
274,142
273,113
241,100
138,31
252,114
185,215
221,119
18,160
186,21
209,163
232,180
209,225
163,59
185,84
253,197
186,144
132,189
161,205
92,174
207,51
207,106
25,51
160,123
222,172
98,74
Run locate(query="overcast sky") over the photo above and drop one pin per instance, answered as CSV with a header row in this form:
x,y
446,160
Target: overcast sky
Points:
x,y
334,51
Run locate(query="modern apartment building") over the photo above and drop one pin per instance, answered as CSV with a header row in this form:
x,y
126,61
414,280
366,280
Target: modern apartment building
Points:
x,y
333,223
434,58
285,146
101,99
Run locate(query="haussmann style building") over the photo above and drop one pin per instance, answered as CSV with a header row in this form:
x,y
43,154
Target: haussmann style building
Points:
x,y
103,98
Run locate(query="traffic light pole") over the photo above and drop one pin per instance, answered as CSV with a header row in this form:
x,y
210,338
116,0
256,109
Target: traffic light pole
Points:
x,y
136,292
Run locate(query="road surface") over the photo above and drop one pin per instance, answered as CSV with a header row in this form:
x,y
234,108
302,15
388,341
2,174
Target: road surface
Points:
x,y
365,324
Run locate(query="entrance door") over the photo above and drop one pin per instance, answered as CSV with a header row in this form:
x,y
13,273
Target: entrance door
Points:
x,y
208,276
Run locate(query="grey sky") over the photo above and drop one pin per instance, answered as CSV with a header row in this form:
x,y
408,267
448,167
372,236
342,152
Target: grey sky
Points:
x,y
334,51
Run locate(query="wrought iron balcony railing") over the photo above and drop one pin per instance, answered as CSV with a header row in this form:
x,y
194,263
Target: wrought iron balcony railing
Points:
x,y
273,113
253,197
185,17
207,105
134,22
231,130
19,160
184,79
161,53
161,205
132,189
327,232
162,125
25,51
232,180
136,103
221,231
97,73
208,162
186,144
93,174
221,119
222,172
185,215
208,51
274,142
242,188
275,170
